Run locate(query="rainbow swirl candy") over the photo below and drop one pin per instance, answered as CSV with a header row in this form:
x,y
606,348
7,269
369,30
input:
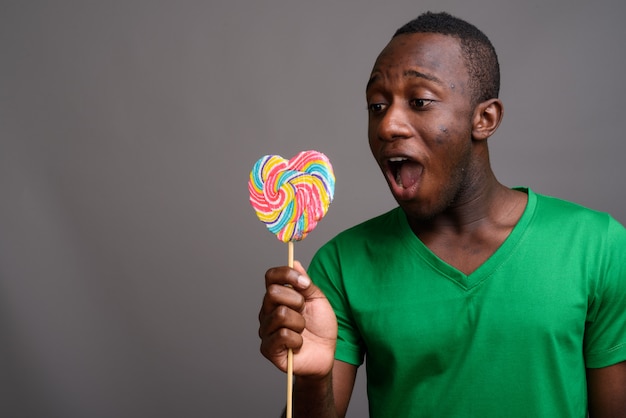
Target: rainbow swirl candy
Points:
x,y
290,197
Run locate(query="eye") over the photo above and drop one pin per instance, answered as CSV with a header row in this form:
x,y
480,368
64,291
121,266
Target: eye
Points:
x,y
420,103
376,107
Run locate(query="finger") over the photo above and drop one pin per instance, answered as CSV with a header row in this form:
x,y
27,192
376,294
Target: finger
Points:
x,y
281,317
295,277
297,266
275,346
298,279
307,288
277,295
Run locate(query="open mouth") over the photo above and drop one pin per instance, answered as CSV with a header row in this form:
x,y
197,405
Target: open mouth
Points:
x,y
404,172
395,166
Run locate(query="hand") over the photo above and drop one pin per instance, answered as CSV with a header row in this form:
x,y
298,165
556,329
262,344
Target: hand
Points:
x,y
297,317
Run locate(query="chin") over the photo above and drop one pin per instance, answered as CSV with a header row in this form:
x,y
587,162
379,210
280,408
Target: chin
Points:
x,y
417,211
422,210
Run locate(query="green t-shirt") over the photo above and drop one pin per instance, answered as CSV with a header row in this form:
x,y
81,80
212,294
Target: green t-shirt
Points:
x,y
511,339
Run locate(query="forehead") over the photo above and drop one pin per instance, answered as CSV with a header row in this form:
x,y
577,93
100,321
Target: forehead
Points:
x,y
432,54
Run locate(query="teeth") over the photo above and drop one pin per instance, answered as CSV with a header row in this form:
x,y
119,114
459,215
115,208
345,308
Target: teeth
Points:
x,y
396,162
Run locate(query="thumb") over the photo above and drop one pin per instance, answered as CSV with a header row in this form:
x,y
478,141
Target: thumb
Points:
x,y
305,285
297,266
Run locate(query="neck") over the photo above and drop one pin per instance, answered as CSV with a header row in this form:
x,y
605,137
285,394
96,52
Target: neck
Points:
x,y
485,202
471,230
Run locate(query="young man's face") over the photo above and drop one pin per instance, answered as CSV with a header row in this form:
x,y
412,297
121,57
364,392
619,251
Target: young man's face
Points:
x,y
420,115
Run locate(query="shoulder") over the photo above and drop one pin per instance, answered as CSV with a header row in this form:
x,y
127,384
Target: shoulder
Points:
x,y
374,227
558,206
597,237
563,214
358,241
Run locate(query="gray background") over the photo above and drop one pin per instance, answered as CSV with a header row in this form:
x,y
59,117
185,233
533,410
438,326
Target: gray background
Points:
x,y
131,264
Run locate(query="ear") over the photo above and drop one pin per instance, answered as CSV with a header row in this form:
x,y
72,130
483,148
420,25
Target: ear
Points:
x,y
487,118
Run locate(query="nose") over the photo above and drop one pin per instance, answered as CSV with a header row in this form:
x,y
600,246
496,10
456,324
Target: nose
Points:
x,y
393,124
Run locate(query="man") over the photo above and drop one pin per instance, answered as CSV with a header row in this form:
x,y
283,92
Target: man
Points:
x,y
470,299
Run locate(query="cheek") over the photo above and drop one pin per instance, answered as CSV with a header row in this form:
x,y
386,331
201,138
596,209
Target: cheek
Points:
x,y
441,138
451,147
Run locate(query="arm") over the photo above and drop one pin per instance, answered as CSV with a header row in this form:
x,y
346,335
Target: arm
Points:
x,y
295,314
328,397
606,388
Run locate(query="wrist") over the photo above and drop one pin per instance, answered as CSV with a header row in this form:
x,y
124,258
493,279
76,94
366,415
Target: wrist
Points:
x,y
313,396
312,381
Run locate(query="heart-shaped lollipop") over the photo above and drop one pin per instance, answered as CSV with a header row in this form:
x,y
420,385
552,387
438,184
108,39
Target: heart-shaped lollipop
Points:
x,y
291,196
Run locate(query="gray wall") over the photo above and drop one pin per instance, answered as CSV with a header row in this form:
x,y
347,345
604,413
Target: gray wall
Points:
x,y
131,264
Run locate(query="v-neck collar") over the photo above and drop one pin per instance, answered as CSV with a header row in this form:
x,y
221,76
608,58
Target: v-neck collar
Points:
x,y
485,270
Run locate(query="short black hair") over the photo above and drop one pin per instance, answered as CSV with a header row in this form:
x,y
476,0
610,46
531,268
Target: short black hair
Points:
x,y
479,54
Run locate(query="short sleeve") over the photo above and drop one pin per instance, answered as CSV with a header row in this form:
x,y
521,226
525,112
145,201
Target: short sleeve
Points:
x,y
325,272
605,332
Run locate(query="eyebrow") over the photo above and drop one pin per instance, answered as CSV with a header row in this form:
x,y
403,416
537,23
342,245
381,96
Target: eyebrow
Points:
x,y
407,73
429,77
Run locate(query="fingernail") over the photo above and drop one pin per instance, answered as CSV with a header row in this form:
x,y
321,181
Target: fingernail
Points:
x,y
304,281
